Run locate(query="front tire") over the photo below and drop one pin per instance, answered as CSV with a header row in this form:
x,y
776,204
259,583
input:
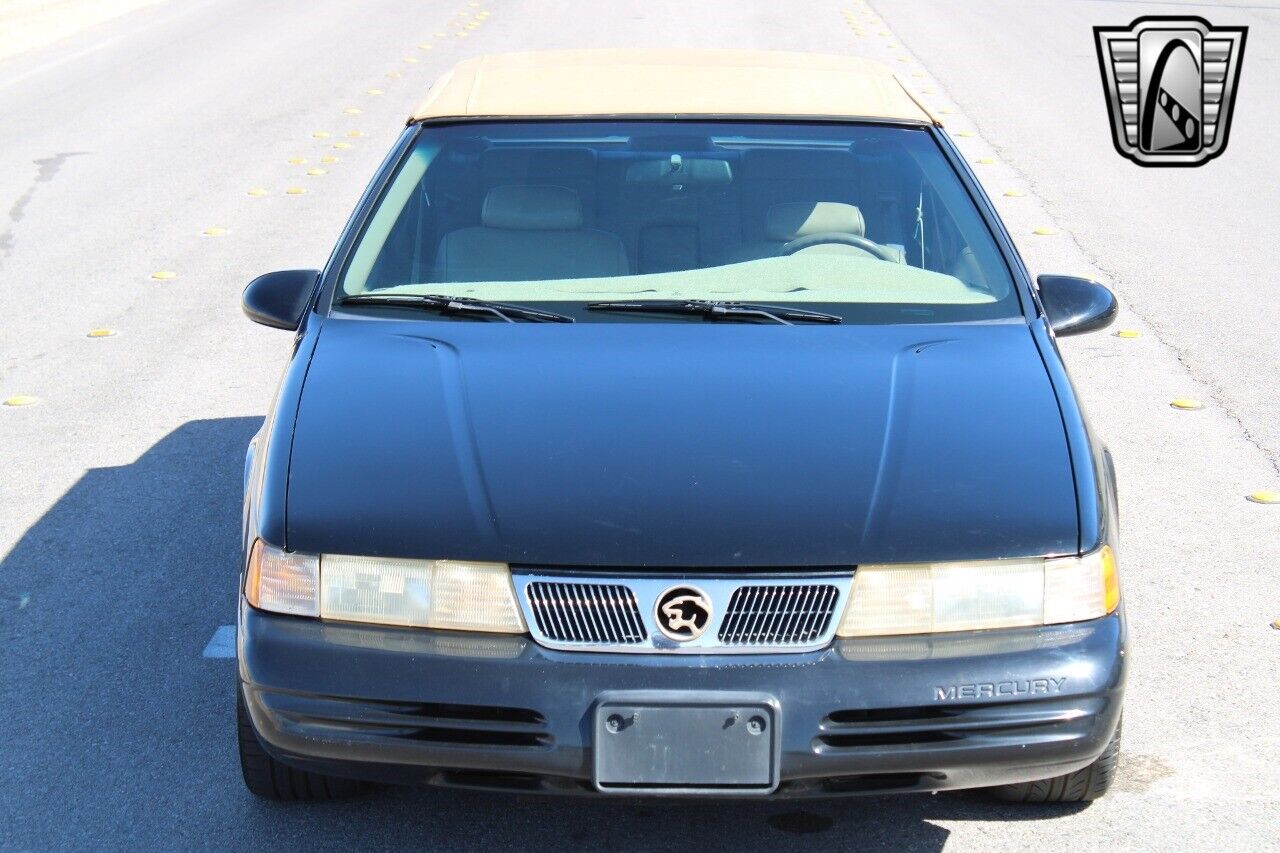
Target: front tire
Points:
x,y
272,780
1082,786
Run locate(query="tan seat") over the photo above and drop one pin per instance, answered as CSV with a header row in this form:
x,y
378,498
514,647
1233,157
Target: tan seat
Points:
x,y
787,221
529,233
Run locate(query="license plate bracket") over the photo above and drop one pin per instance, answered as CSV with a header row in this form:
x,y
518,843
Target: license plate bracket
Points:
x,y
684,742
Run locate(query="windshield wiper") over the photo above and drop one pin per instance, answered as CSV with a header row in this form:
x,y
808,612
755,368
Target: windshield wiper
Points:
x,y
463,306
714,310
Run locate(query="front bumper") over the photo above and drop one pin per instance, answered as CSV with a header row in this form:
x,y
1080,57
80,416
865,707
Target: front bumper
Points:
x,y
863,716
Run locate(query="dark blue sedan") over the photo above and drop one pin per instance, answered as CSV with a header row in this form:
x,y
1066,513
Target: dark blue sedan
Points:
x,y
678,423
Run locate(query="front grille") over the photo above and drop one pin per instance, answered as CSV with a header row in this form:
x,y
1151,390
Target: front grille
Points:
x,y
587,613
791,614
748,613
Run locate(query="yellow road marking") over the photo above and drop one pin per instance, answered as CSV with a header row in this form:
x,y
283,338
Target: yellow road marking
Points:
x,y
1187,404
164,275
100,333
215,231
257,192
21,400
295,191
1128,334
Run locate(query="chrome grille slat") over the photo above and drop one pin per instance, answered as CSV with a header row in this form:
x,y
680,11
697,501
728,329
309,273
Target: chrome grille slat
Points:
x,y
585,613
778,615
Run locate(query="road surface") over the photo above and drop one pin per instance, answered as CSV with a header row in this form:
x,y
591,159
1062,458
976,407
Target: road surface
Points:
x,y
125,143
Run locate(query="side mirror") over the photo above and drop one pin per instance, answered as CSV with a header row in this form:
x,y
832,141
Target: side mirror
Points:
x,y
1076,305
278,299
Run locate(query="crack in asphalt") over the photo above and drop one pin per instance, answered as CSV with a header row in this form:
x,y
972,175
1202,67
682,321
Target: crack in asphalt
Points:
x,y
46,169
1216,393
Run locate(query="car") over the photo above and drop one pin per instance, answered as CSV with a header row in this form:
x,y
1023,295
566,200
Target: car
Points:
x,y
678,423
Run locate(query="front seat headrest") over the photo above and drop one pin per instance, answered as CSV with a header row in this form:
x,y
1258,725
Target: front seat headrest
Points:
x,y
787,221
532,208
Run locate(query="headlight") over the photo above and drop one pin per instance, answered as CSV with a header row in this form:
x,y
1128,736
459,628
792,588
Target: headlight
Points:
x,y
925,598
452,594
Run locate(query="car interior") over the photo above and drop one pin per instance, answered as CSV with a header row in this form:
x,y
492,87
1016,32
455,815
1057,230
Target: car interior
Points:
x,y
487,208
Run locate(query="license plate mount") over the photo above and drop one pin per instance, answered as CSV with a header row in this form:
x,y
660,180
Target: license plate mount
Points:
x,y
682,742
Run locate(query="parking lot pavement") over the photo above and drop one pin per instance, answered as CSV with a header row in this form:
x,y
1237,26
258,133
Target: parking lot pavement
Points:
x,y
156,163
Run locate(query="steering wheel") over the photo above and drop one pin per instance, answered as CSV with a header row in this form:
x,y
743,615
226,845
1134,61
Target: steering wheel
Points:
x,y
841,238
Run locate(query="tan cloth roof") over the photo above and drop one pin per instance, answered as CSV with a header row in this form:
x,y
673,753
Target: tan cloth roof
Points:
x,y
670,82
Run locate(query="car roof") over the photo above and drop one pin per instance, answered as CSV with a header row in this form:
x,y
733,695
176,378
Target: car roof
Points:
x,y
637,82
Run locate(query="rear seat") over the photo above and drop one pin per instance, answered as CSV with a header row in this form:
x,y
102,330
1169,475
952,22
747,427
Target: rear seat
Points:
x,y
529,233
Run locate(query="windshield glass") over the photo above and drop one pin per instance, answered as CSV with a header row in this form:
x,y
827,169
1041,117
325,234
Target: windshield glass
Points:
x,y
866,221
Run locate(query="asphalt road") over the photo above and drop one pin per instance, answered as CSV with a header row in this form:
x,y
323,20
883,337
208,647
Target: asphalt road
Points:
x,y
119,487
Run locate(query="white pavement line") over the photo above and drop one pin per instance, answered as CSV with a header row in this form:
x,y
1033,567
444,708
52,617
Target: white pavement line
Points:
x,y
223,643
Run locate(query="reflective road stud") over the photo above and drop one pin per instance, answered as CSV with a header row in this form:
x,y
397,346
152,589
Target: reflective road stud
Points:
x,y
1128,333
1264,497
1014,193
341,145
297,161
164,275
21,400
257,192
1187,404
295,191
353,111
321,134
1045,232
373,91
101,333
315,173
215,231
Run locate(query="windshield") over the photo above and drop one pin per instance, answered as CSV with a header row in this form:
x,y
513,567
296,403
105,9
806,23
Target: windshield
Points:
x,y
866,221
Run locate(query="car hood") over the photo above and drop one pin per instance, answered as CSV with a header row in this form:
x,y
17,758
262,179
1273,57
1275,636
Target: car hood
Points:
x,y
684,444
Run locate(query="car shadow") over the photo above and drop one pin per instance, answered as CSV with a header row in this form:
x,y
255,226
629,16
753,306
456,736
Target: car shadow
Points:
x,y
122,734
483,820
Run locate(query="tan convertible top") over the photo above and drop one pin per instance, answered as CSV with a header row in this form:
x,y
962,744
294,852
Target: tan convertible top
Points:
x,y
670,82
